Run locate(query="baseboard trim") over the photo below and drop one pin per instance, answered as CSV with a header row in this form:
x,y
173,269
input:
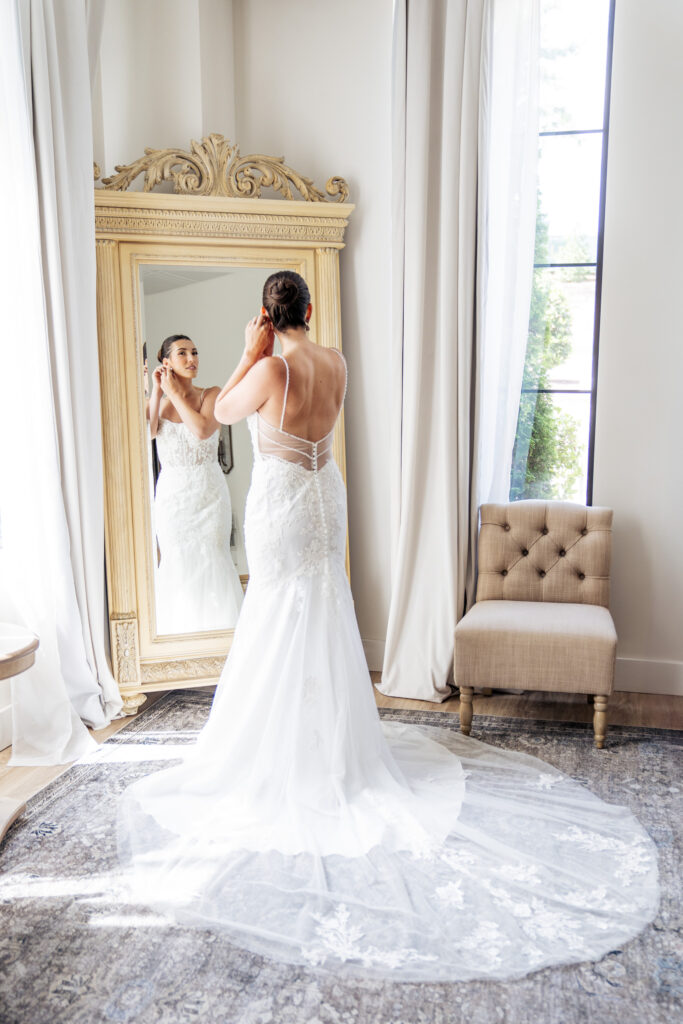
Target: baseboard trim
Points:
x,y
374,654
633,675
638,675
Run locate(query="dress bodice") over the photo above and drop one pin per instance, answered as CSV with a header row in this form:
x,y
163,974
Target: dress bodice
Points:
x,y
295,523
179,448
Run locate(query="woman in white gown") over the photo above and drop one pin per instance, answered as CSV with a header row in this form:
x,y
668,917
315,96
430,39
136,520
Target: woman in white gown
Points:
x,y
197,585
311,831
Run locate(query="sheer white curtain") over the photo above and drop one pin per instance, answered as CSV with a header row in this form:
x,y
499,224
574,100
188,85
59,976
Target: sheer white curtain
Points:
x,y
464,186
50,474
508,156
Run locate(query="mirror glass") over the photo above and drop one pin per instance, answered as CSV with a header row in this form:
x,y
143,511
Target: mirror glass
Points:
x,y
197,486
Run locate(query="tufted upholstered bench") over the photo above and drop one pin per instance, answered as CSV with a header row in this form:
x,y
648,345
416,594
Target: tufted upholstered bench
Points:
x,y
541,619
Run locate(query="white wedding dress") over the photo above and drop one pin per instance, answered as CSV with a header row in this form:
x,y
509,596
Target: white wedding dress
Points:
x,y
197,586
310,831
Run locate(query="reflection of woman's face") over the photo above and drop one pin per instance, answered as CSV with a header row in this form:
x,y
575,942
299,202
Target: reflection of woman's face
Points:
x,y
184,359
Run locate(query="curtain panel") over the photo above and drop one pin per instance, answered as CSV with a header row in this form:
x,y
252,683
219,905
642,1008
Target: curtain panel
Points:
x,y
463,199
51,501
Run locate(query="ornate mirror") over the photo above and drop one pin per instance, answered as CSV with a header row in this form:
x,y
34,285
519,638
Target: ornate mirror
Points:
x,y
192,265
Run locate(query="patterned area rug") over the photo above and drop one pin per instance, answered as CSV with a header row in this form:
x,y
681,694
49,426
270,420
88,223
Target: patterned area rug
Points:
x,y
70,952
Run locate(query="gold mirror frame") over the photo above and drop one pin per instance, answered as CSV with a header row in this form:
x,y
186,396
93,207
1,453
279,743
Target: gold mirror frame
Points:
x,y
195,229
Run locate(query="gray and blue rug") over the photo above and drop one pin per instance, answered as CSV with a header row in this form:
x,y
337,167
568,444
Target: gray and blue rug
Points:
x,y
70,953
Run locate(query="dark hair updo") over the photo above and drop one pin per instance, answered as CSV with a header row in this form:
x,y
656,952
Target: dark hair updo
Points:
x,y
166,345
286,298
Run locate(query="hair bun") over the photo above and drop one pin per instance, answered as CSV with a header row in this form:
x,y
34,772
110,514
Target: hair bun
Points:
x,y
286,298
286,293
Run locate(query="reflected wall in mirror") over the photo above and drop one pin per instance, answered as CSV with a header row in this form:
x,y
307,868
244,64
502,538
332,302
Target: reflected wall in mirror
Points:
x,y
195,265
196,508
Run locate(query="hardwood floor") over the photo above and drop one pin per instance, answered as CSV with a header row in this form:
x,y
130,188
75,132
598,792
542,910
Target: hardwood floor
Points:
x,y
657,711
651,710
23,783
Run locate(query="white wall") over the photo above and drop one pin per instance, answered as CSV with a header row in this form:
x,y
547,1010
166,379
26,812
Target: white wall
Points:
x,y
639,434
165,77
312,84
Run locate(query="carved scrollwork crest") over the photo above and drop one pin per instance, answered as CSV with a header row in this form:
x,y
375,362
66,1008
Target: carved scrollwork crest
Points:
x,y
215,167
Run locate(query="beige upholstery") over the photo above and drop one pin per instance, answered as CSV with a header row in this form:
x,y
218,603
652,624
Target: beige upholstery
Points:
x,y
524,645
540,621
544,551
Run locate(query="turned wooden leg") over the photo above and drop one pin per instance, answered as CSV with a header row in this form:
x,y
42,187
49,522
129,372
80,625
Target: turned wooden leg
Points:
x,y
466,709
600,720
486,691
132,703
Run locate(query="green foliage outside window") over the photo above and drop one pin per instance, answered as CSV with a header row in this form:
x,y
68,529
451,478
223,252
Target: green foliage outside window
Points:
x,y
546,459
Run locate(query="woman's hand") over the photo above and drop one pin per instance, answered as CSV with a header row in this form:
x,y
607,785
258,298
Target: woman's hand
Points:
x,y
259,338
168,382
156,380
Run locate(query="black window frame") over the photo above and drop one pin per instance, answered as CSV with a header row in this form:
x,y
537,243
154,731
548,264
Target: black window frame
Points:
x,y
597,263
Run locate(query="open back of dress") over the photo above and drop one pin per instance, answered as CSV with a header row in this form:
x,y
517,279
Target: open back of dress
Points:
x,y
273,441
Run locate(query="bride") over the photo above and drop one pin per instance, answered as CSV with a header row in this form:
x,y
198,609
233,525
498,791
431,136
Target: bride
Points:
x,y
309,830
197,585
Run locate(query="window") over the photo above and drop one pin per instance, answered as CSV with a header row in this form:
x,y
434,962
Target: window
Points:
x,y
553,449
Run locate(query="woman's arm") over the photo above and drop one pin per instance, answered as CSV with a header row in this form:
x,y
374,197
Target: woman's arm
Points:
x,y
202,421
154,402
255,376
248,388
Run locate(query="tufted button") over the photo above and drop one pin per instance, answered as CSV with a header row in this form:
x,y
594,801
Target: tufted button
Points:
x,y
524,551
562,552
504,572
541,573
582,575
584,532
544,531
507,527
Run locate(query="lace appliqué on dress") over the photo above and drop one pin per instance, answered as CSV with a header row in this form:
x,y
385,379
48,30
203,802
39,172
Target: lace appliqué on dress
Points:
x,y
344,941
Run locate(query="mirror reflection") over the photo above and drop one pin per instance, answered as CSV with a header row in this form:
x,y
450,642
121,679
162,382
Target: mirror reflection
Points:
x,y
193,320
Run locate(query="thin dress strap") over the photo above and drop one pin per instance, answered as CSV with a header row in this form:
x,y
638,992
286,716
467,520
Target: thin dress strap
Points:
x,y
284,400
346,370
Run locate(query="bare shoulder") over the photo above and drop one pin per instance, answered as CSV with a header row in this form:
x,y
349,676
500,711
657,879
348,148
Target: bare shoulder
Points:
x,y
338,359
209,397
336,355
269,370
